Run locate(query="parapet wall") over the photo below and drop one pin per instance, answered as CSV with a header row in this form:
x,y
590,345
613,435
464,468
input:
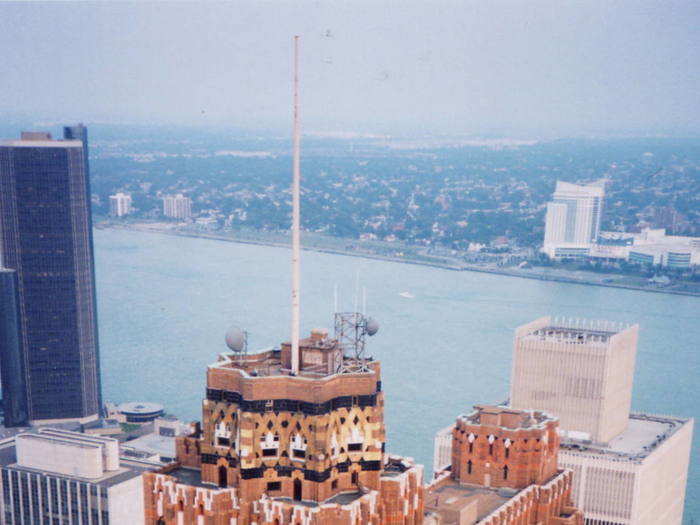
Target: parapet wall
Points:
x,y
298,388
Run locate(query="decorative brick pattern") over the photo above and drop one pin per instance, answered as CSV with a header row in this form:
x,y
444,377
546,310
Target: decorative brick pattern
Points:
x,y
271,440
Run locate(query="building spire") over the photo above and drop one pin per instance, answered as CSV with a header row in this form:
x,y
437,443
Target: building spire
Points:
x,y
296,244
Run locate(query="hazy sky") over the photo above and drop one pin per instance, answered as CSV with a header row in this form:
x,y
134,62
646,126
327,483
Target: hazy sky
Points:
x,y
477,67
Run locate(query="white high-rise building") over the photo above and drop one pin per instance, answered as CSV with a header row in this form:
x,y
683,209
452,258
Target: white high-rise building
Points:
x,y
119,204
629,469
579,370
177,207
573,217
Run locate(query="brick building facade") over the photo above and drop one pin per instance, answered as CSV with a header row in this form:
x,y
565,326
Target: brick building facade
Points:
x,y
277,448
503,471
498,447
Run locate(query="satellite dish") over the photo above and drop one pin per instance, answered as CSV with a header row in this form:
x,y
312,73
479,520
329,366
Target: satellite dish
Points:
x,y
371,326
236,339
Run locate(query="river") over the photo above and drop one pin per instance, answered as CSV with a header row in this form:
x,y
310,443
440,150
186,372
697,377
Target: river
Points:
x,y
165,303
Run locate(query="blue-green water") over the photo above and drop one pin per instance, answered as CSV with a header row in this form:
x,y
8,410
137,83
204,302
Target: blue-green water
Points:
x,y
165,303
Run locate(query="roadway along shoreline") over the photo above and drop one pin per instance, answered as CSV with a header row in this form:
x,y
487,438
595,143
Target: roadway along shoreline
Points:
x,y
444,264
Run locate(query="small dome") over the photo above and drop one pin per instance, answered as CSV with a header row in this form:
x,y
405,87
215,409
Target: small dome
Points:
x,y
371,326
235,339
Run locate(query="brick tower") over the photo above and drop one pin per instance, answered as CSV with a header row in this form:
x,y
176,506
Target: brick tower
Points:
x,y
503,471
309,436
276,447
500,447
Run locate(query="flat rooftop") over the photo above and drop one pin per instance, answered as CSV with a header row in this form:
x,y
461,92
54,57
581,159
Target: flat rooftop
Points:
x,y
596,332
506,417
268,363
449,499
571,335
139,408
661,248
9,432
127,470
19,143
66,440
265,363
320,355
290,501
644,433
189,476
344,498
154,444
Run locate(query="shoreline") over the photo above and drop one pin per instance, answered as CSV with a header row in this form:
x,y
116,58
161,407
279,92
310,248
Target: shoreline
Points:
x,y
444,265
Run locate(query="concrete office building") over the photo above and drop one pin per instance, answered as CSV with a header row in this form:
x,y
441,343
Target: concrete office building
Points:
x,y
177,207
55,476
638,478
579,370
46,237
650,247
629,469
674,257
119,204
572,222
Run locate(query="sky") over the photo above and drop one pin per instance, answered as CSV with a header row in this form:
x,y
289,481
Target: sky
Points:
x,y
481,68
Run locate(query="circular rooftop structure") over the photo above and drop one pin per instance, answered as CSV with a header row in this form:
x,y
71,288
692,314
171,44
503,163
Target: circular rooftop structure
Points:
x,y
141,411
236,339
371,326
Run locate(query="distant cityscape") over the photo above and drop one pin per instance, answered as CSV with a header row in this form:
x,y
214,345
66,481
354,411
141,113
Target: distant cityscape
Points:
x,y
454,197
487,206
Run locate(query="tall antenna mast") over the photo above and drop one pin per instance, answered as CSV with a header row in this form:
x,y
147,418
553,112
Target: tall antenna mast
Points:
x,y
296,244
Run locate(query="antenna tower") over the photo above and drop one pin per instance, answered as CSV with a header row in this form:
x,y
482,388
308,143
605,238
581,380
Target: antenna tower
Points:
x,y
351,331
296,244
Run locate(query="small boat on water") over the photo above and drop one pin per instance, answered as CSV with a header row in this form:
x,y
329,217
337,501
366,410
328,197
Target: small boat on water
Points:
x,y
407,295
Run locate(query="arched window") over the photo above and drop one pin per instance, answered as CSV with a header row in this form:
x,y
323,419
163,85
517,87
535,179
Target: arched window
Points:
x,y
469,466
505,472
223,476
491,440
297,489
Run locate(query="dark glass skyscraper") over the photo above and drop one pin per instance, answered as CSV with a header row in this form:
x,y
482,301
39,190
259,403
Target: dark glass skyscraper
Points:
x,y
46,237
12,366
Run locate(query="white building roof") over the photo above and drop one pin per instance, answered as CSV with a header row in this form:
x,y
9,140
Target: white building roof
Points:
x,y
644,433
42,143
